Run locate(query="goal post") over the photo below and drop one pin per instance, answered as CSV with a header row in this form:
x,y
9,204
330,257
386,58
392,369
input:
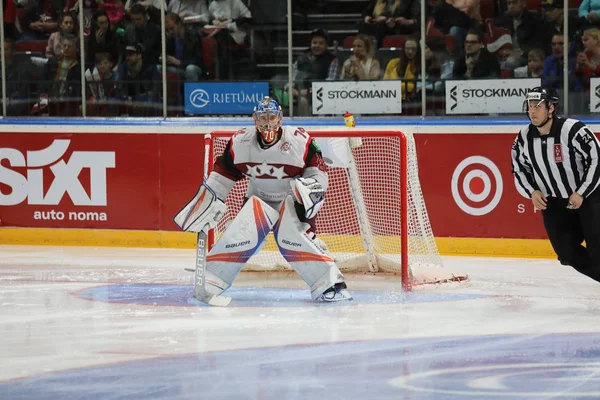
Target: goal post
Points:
x,y
374,219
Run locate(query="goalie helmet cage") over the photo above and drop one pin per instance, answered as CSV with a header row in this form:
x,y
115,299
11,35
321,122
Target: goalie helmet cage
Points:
x,y
374,218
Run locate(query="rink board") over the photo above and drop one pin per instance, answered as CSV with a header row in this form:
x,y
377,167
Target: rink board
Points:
x,y
120,238
133,176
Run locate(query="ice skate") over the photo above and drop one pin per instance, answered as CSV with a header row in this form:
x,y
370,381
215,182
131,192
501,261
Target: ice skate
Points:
x,y
337,292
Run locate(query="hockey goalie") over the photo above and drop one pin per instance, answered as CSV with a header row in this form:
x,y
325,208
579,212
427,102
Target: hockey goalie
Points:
x,y
286,189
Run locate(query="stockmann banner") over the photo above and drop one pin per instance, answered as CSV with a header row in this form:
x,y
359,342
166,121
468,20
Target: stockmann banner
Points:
x,y
223,98
594,95
364,97
488,96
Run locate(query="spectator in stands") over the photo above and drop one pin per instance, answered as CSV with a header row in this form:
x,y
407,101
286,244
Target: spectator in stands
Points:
x,y
534,67
138,79
145,3
407,68
67,26
40,17
152,8
588,61
589,12
62,79
232,16
361,65
114,9
316,64
390,17
195,11
184,50
231,19
438,66
20,73
146,33
527,32
554,20
10,17
102,87
102,39
552,72
477,62
90,7
456,18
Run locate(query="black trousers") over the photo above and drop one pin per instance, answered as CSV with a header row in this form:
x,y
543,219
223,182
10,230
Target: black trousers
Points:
x,y
567,229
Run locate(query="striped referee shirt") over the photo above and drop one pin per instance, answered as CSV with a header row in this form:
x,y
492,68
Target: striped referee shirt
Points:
x,y
557,164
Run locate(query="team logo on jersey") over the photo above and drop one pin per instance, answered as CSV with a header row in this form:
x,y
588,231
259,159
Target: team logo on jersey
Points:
x,y
285,147
558,154
265,170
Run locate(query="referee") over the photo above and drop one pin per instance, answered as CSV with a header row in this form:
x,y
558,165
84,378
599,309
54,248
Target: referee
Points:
x,y
555,161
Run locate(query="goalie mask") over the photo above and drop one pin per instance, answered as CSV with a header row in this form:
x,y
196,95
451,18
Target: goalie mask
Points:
x,y
268,119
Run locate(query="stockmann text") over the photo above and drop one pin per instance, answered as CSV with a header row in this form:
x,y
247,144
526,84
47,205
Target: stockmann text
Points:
x,y
362,94
500,92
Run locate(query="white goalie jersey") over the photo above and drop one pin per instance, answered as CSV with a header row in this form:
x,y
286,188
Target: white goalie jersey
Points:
x,y
269,170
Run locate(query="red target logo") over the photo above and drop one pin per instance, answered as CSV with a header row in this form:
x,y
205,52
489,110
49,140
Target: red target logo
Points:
x,y
477,185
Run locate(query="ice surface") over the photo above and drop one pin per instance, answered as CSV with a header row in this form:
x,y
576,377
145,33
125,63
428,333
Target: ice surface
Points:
x,y
100,323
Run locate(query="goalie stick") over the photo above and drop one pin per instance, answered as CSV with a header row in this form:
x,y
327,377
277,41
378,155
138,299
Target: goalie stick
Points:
x,y
201,251
199,275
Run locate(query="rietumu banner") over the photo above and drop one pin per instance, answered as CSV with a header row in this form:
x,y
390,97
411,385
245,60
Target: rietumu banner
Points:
x,y
206,98
364,97
487,96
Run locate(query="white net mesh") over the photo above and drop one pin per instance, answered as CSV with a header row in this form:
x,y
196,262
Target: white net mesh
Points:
x,y
360,221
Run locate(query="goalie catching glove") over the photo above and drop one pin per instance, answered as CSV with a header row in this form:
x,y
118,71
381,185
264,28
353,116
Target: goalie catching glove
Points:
x,y
308,192
202,213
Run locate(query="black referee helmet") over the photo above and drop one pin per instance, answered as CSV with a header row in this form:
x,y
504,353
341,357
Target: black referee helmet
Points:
x,y
542,94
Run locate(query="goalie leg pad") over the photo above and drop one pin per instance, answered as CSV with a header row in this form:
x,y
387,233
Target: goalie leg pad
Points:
x,y
203,212
314,265
241,240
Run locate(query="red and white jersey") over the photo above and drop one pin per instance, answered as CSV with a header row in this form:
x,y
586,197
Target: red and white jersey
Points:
x,y
269,170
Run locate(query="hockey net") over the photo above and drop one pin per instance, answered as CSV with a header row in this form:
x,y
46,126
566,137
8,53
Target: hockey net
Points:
x,y
374,218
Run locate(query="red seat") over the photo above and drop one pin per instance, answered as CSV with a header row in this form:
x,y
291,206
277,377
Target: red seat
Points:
x,y
533,5
450,43
38,46
348,42
393,41
173,89
431,30
209,48
486,9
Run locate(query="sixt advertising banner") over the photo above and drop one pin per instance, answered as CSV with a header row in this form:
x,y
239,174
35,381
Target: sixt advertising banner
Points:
x,y
487,96
370,97
140,181
206,98
98,181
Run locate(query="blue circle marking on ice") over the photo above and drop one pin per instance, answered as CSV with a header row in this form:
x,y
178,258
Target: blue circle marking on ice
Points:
x,y
515,367
181,295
